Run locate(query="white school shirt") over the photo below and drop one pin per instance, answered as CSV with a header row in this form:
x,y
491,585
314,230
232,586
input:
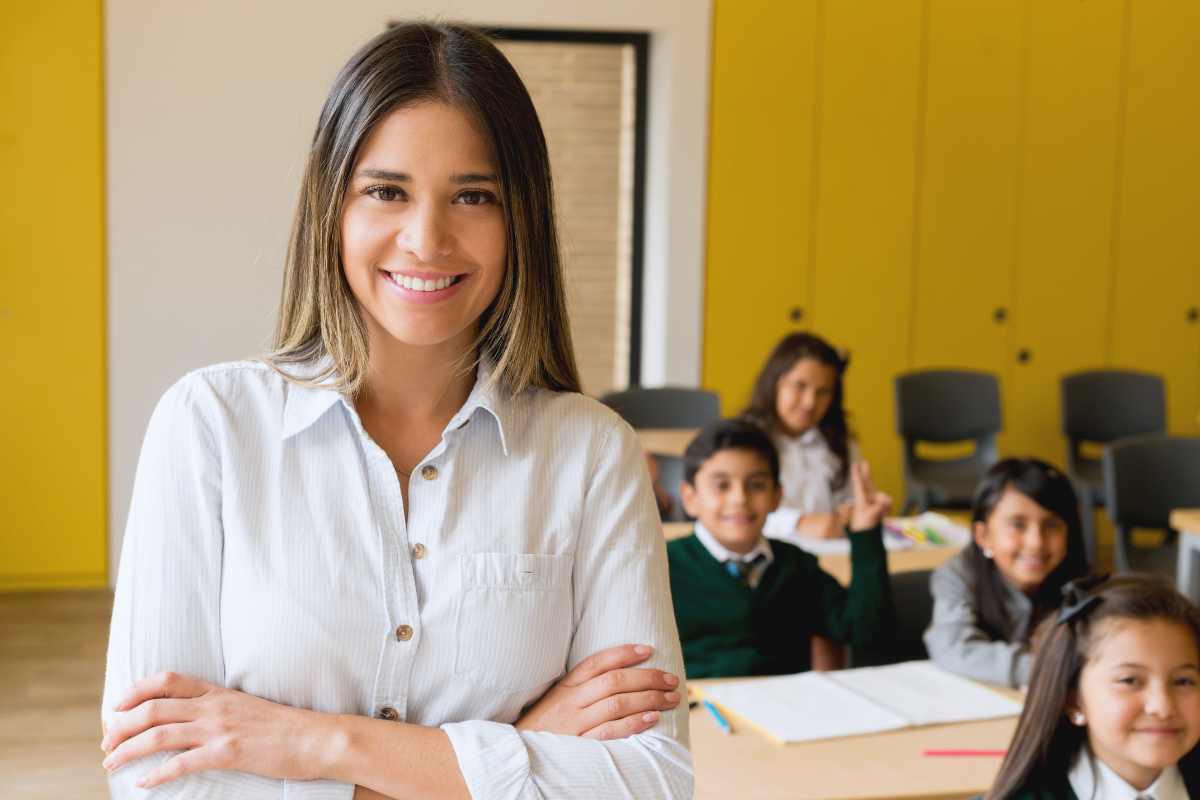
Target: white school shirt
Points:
x,y
807,468
267,551
1092,779
761,551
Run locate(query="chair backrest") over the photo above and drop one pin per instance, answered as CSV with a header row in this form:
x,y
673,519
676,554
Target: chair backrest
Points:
x,y
666,407
947,405
1104,405
914,610
1146,477
670,475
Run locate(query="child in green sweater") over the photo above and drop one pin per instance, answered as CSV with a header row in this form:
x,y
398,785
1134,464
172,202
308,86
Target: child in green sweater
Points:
x,y
748,605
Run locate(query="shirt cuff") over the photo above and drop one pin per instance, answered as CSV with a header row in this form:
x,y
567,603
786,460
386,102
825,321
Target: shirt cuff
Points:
x,y
318,790
492,757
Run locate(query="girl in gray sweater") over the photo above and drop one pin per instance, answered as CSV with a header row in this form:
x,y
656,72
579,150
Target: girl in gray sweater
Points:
x,y
1027,542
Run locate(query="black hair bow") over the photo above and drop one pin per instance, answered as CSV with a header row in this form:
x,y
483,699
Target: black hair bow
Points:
x,y
1076,598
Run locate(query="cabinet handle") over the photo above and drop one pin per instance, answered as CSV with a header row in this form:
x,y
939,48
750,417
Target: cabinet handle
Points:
x,y
1193,314
999,315
1024,355
796,314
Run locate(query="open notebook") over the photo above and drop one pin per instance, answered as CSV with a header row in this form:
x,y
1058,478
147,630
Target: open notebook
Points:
x,y
827,705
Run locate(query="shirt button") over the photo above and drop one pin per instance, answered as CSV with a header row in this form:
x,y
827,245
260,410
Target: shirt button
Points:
x,y
429,472
404,633
389,713
418,550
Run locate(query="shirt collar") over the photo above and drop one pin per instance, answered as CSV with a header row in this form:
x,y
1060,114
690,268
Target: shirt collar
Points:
x,y
307,404
1092,779
720,553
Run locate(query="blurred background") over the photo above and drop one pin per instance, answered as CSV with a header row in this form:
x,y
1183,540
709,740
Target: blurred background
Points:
x,y
1007,186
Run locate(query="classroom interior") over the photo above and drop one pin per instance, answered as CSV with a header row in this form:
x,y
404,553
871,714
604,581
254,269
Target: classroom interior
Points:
x,y
1004,186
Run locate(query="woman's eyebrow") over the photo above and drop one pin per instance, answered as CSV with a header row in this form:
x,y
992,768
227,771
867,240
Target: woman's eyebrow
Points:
x,y
384,175
457,178
473,177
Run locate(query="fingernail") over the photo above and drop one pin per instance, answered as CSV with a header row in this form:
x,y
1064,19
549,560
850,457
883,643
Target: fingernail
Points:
x,y
670,679
643,650
650,717
671,697
107,763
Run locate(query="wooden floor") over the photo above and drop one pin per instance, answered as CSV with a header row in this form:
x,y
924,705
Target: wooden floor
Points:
x,y
52,648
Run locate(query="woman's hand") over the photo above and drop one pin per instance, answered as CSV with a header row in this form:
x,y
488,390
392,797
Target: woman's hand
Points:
x,y
604,698
820,525
870,506
217,728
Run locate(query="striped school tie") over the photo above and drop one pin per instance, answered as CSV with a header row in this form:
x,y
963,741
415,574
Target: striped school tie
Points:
x,y
741,570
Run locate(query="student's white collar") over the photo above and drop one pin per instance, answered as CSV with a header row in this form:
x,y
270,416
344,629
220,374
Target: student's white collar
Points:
x,y
720,553
1092,779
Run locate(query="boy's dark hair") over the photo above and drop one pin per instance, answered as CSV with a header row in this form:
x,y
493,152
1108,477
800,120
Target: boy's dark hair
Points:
x,y
1050,489
728,434
833,426
1045,740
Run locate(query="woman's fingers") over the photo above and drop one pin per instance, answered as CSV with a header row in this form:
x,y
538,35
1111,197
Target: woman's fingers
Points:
x,y
624,681
621,706
612,658
144,716
163,684
187,763
626,726
174,736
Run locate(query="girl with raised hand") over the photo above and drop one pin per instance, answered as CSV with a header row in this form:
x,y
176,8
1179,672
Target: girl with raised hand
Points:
x,y
352,568
987,600
1113,709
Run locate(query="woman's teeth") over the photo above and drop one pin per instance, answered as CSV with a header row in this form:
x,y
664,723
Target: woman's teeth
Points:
x,y
423,285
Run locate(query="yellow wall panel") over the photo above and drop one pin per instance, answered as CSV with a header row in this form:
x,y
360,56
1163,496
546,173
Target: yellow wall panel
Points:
x,y
970,161
760,186
1066,205
52,472
870,80
1158,236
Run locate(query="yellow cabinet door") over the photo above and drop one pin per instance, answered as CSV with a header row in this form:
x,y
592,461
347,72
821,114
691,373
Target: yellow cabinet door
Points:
x,y
862,266
1157,285
760,187
1064,239
969,163
52,439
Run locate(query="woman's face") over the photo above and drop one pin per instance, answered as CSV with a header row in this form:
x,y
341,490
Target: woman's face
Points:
x,y
803,395
423,232
1026,541
1139,698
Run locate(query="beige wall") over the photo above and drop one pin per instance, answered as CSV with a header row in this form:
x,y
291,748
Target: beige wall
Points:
x,y
209,110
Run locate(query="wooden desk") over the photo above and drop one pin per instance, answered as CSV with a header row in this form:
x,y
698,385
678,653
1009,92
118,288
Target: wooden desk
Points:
x,y
839,566
666,441
1187,573
883,765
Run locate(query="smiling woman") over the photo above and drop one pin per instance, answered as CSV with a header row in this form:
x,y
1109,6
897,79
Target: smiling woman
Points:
x,y
394,557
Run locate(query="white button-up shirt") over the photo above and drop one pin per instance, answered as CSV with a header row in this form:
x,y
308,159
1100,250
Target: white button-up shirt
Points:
x,y
1092,779
806,473
267,550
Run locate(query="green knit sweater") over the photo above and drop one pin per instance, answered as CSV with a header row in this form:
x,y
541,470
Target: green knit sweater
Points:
x,y
729,629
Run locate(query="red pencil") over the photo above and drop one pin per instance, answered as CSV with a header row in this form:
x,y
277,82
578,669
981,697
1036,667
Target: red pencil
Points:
x,y
964,752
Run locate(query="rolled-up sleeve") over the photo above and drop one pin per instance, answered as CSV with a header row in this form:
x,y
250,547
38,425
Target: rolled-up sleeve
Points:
x,y
622,594
166,612
956,641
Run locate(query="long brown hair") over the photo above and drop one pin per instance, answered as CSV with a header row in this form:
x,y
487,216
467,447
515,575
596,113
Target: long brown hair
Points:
x,y
833,426
524,332
1045,740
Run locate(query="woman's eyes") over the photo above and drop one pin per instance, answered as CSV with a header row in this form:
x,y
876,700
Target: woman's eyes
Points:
x,y
470,197
1185,680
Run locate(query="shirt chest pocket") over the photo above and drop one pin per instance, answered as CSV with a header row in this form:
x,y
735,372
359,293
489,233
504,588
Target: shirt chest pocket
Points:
x,y
514,619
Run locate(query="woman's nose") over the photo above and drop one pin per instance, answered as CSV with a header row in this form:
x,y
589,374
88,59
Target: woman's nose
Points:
x,y
425,235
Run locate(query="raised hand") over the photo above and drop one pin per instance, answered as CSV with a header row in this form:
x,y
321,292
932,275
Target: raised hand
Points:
x,y
870,505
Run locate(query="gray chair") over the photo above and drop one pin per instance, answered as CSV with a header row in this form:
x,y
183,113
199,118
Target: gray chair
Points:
x,y
944,406
1145,478
666,407
1101,406
914,610
670,475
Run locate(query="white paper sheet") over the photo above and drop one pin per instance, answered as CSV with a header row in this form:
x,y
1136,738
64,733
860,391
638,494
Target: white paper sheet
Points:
x,y
923,694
